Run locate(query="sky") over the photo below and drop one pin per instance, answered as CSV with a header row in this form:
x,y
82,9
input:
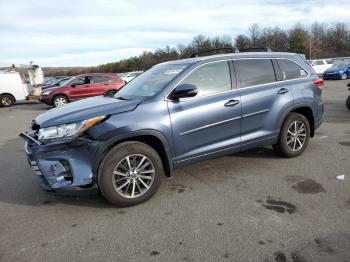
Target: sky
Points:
x,y
91,32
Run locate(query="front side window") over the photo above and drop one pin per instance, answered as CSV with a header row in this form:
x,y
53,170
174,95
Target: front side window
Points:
x,y
255,71
291,70
80,81
210,78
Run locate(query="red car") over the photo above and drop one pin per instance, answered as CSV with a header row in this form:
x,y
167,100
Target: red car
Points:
x,y
82,86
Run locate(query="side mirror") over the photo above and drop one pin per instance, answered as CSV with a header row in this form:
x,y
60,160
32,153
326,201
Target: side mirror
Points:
x,y
73,85
182,91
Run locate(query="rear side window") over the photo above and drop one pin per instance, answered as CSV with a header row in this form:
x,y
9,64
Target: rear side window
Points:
x,y
210,78
291,70
102,79
255,71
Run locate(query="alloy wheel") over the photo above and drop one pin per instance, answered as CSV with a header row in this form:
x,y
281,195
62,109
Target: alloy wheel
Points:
x,y
296,135
60,101
133,176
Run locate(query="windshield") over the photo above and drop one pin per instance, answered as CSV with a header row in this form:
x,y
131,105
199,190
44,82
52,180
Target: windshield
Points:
x,y
63,82
151,82
340,65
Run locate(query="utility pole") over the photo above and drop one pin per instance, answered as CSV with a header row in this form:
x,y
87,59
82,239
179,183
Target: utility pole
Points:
x,y
310,48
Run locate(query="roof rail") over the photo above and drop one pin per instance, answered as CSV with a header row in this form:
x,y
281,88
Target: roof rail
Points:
x,y
256,49
232,49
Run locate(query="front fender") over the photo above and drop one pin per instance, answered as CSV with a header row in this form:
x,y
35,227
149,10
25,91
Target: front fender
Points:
x,y
106,145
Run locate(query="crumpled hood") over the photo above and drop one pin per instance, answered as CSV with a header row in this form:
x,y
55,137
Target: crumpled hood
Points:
x,y
85,109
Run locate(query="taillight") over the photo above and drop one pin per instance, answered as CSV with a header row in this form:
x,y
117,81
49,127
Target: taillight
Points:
x,y
319,83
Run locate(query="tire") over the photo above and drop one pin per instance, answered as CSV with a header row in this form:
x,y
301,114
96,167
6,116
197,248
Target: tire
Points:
x,y
344,76
288,145
348,102
111,173
111,93
7,100
59,101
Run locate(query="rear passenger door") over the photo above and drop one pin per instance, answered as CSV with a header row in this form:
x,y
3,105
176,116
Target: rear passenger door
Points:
x,y
263,100
209,123
100,84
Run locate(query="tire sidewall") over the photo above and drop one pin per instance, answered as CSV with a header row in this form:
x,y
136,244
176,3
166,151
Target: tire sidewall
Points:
x,y
112,158
348,102
284,131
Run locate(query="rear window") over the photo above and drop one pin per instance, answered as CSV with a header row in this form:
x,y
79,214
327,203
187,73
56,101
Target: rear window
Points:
x,y
255,71
291,70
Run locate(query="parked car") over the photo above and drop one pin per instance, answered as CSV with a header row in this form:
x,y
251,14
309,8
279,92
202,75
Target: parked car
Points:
x,y
127,77
59,82
176,113
321,65
13,87
82,86
339,71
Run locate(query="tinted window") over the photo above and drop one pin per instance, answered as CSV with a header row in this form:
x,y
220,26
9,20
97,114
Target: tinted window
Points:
x,y
255,71
291,70
102,79
210,78
329,61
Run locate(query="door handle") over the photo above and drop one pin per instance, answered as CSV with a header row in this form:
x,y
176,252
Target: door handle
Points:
x,y
231,103
282,91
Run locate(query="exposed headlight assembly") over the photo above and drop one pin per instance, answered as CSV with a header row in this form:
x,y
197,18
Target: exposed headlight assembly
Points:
x,y
68,130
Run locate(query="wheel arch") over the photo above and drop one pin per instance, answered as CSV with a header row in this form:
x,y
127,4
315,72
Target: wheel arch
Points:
x,y
153,138
13,97
305,111
59,94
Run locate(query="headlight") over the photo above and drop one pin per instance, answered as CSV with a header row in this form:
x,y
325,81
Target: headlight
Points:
x,y
68,130
45,93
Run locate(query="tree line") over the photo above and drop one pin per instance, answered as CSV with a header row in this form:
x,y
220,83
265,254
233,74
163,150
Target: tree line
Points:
x,y
320,40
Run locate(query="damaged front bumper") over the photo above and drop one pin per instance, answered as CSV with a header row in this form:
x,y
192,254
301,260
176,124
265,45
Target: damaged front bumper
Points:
x,y
65,166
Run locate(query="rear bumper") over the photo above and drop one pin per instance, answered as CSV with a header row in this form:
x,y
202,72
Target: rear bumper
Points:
x,y
64,167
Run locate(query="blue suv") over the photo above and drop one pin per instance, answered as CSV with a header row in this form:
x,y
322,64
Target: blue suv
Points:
x,y
176,113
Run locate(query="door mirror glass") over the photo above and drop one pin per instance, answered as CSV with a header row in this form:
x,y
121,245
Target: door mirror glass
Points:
x,y
183,90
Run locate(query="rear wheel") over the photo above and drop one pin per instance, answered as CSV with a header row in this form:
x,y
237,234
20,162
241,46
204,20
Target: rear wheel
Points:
x,y
6,100
130,174
59,100
111,93
294,136
348,102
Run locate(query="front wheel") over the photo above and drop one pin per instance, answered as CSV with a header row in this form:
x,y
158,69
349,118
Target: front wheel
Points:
x,y
111,93
344,76
348,102
130,174
59,101
294,136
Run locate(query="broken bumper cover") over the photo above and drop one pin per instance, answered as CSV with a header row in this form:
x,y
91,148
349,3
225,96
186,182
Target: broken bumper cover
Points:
x,y
63,167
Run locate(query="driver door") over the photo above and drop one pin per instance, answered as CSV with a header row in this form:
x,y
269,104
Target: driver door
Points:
x,y
209,123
